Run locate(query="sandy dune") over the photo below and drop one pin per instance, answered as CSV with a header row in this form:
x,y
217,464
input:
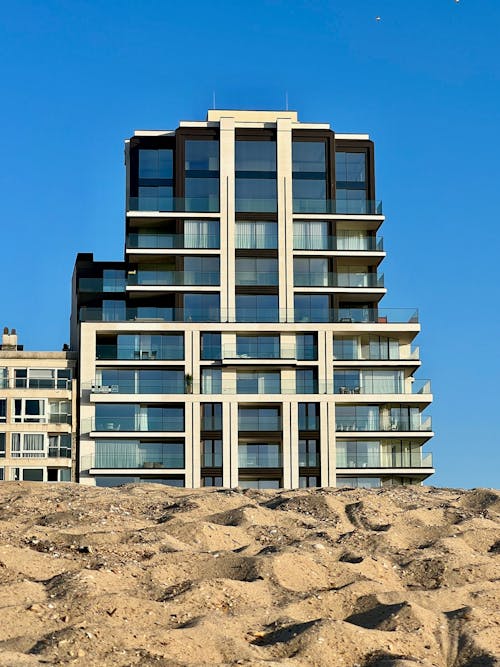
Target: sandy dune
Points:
x,y
151,575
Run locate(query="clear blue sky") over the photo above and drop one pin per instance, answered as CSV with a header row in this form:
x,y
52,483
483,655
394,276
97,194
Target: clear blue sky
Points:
x,y
77,77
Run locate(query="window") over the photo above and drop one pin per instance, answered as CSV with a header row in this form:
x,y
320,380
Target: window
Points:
x,y
259,419
201,270
143,347
357,418
211,345
141,381
359,482
3,410
2,474
60,412
351,185
380,347
201,307
211,381
114,310
155,184
2,445
132,417
258,347
201,175
29,410
42,378
211,452
211,416
4,382
258,382
60,445
259,455
309,481
308,453
257,308
311,308
311,271
256,235
27,445
308,416
211,480
358,454
309,170
306,381
307,347
311,236
259,483
201,234
138,454
345,348
58,475
31,474
255,164
256,271
119,480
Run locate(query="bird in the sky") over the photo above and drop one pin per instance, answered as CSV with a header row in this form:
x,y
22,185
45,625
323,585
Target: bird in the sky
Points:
x,y
377,18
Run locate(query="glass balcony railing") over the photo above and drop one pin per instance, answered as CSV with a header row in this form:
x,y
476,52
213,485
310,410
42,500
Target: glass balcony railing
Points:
x,y
384,460
264,456
38,383
327,242
173,241
174,204
139,387
338,280
383,424
376,386
300,315
101,285
60,452
131,353
145,458
119,423
179,278
338,206
261,352
256,278
255,205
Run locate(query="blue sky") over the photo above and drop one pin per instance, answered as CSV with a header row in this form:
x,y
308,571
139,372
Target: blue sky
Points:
x,y
77,77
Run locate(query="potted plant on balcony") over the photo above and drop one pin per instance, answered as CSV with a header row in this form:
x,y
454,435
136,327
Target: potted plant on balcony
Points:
x,y
189,383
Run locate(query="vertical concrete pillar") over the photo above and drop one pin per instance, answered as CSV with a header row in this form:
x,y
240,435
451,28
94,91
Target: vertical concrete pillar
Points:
x,y
285,215
227,213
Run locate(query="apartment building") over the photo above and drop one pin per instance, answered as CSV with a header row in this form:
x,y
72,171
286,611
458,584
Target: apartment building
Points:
x,y
37,431
242,340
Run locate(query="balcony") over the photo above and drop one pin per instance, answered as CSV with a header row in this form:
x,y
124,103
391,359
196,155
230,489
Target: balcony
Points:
x,y
174,204
37,383
383,424
385,460
267,352
139,387
337,206
173,278
356,280
131,353
327,242
173,241
373,352
257,315
145,456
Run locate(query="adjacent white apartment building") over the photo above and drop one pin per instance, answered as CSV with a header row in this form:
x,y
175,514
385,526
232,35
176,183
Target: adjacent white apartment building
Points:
x,y
37,429
242,341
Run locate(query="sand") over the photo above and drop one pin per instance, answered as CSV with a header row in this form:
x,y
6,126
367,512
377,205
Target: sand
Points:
x,y
152,575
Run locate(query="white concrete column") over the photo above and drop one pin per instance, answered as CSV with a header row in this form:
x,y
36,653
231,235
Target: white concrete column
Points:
x,y
227,213
294,445
190,425
285,214
287,445
234,443
196,446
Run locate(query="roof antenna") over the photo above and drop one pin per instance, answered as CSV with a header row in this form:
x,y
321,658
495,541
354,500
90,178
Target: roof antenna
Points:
x,y
286,100
213,99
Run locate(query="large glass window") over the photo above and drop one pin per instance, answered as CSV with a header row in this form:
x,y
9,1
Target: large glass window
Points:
x,y
358,454
211,381
211,416
119,480
201,234
357,418
359,482
201,307
258,382
264,483
345,348
3,410
259,419
201,270
155,187
2,445
306,381
258,347
29,410
133,417
144,347
311,308
202,175
211,452
310,271
27,445
256,271
308,416
307,347
309,170
311,235
138,454
141,381
259,455
256,235
257,308
351,185
210,345
308,452
256,176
